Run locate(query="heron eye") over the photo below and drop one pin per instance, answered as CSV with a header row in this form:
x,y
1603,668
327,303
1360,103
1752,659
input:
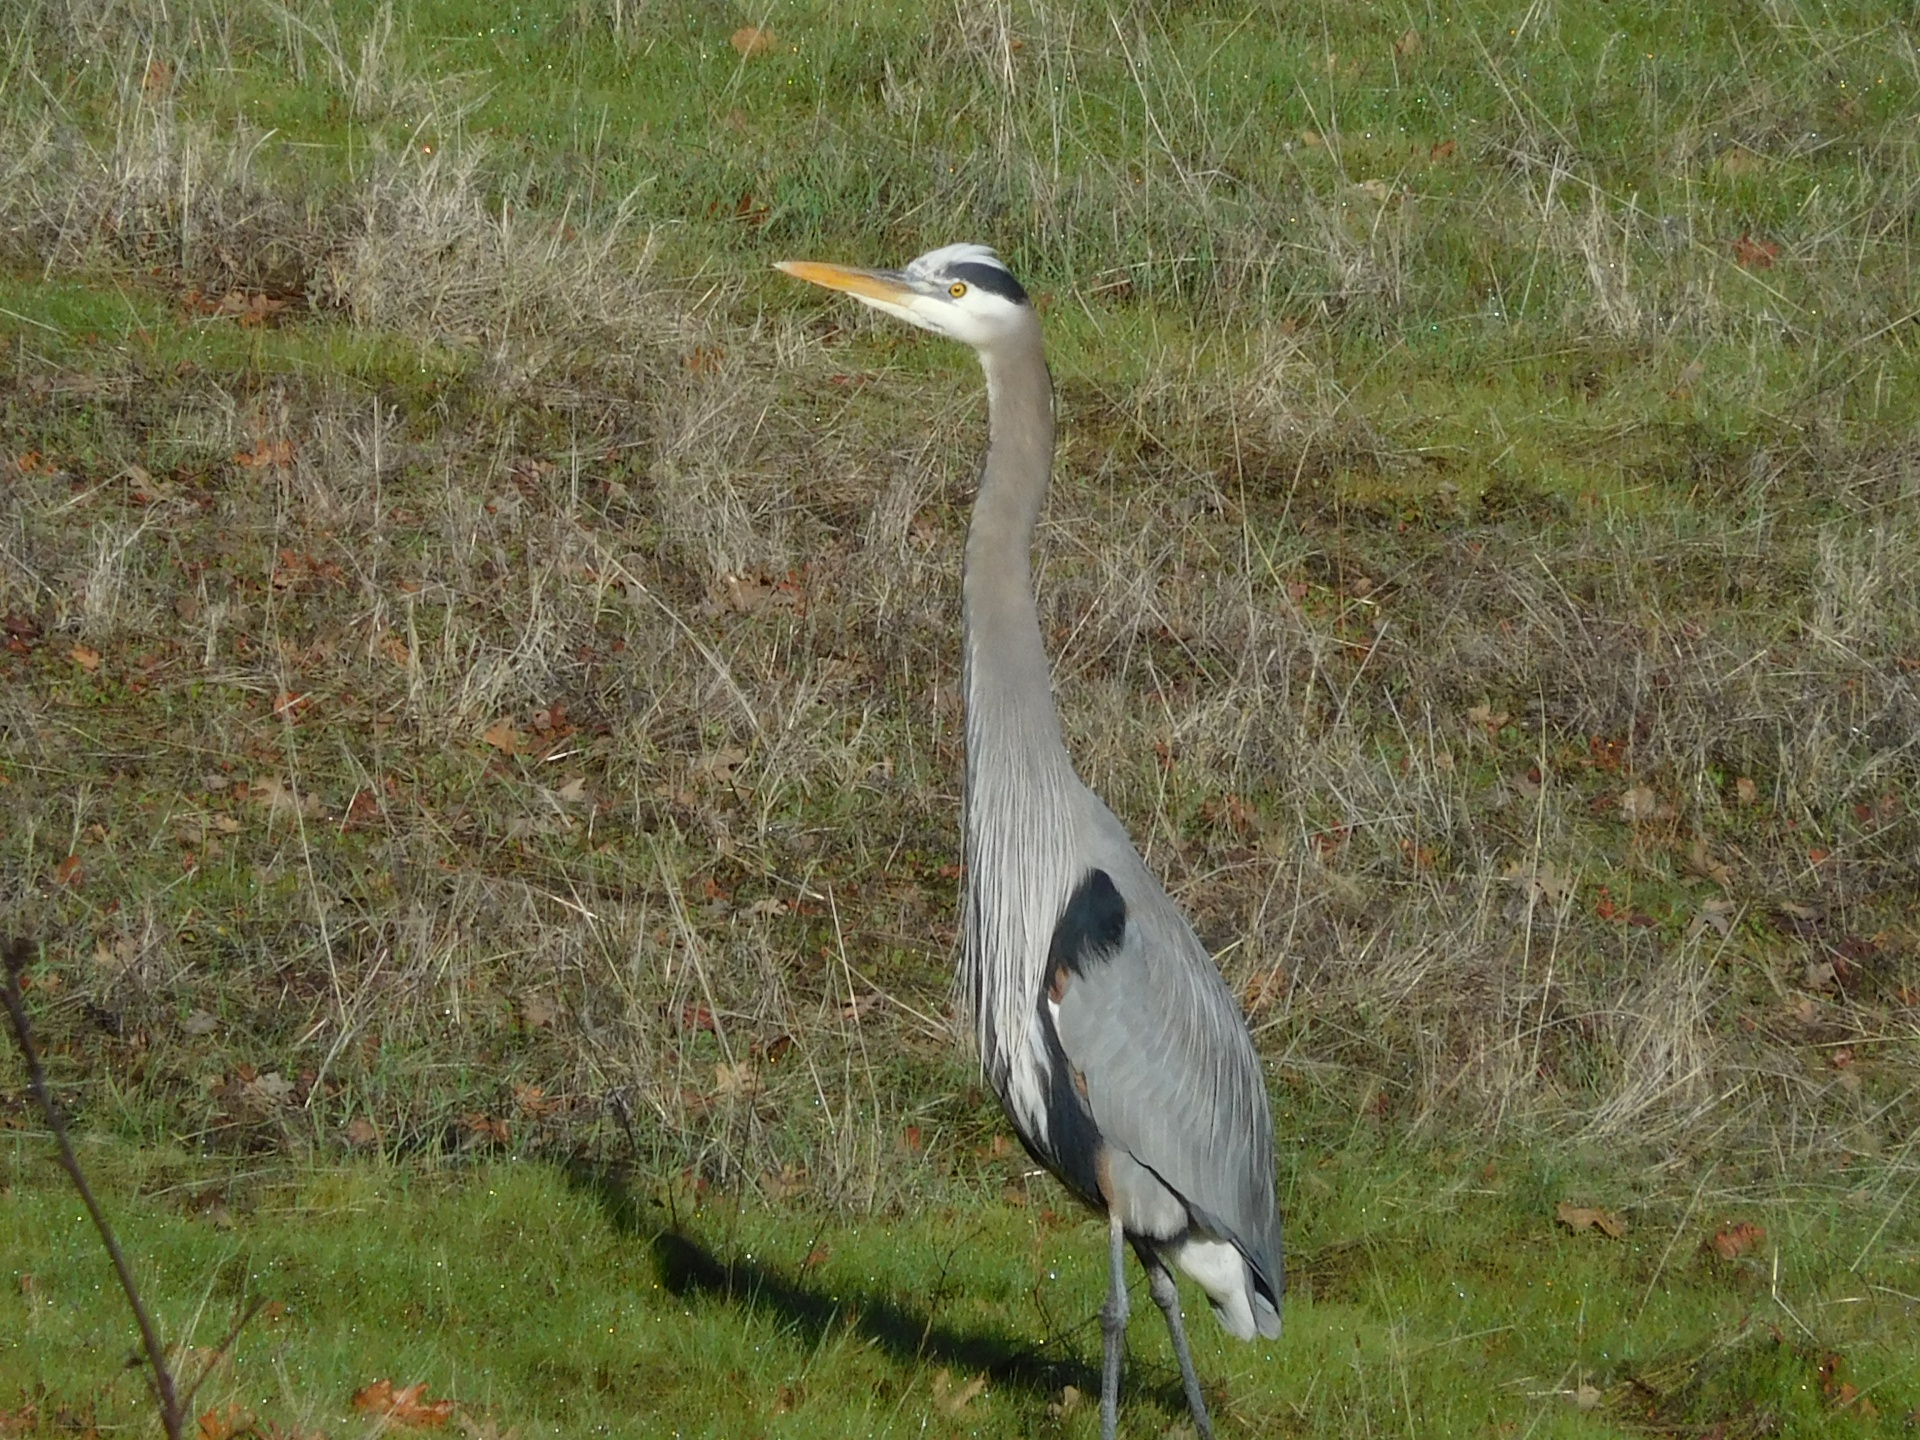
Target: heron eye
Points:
x,y
957,289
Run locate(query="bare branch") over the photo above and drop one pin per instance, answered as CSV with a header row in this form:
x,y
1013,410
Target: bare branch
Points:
x,y
172,1416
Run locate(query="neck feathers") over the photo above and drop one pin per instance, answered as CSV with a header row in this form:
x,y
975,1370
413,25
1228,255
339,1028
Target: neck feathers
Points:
x,y
1020,782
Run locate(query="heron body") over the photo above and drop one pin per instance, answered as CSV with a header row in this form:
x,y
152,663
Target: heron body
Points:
x,y
1117,1051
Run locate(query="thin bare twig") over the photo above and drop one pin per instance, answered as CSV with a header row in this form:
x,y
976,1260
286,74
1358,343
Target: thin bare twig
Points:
x,y
172,1414
219,1352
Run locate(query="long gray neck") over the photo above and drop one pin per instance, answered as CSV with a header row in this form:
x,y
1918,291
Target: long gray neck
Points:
x,y
1009,683
1020,781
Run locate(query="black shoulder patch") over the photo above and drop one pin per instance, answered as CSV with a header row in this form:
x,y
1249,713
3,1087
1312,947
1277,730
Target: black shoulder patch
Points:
x,y
992,279
1091,927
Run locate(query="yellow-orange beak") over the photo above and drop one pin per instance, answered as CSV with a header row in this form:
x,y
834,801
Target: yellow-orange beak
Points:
x,y
879,285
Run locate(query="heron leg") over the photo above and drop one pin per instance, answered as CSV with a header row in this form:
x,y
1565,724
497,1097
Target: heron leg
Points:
x,y
1166,1295
1113,1328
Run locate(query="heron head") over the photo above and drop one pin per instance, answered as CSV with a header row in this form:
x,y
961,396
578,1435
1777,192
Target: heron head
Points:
x,y
964,292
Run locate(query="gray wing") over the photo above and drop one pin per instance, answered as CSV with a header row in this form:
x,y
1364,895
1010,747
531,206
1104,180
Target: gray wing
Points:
x,y
1161,1056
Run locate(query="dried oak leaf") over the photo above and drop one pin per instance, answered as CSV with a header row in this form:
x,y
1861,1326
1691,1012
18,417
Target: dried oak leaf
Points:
x,y
1641,803
503,737
1752,254
751,40
954,1398
534,1100
408,1405
1585,1217
360,1132
722,766
1487,718
1736,1240
225,1423
277,454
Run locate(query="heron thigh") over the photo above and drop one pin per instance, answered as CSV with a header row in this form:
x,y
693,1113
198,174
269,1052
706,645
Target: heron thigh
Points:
x,y
1146,1207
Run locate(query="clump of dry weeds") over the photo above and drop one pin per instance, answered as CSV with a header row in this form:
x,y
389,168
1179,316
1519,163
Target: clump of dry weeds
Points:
x,y
562,744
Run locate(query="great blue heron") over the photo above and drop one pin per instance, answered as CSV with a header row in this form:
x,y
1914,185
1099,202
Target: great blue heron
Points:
x,y
1105,1029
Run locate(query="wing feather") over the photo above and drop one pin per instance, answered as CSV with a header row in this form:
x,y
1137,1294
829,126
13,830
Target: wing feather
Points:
x,y
1169,1072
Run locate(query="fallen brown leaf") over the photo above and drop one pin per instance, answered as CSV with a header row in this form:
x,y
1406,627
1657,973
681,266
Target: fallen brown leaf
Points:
x,y
225,1422
1752,254
1736,1240
1584,1217
861,1005
277,453
1702,862
533,1100
485,1129
408,1405
1682,387
751,40
722,766
503,737
1543,884
86,657
954,1398
1487,718
281,799
791,1181
1715,915
1640,803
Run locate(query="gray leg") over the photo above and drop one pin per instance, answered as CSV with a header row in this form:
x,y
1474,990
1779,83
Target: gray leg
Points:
x,y
1113,1329
1167,1296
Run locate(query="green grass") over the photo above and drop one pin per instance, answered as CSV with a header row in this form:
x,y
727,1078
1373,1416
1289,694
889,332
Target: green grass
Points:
x,y
478,739
1433,1291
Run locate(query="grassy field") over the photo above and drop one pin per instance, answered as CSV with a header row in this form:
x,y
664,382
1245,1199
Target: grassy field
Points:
x,y
479,738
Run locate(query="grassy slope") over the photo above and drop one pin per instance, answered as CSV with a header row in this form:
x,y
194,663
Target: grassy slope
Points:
x,y
480,680
1439,1298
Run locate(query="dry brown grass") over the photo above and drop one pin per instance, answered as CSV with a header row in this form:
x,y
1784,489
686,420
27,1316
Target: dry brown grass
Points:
x,y
547,731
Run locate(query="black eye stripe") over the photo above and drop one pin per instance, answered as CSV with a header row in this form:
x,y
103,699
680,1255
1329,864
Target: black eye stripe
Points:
x,y
991,279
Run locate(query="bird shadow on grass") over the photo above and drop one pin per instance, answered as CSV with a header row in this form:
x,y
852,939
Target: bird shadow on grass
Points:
x,y
690,1265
